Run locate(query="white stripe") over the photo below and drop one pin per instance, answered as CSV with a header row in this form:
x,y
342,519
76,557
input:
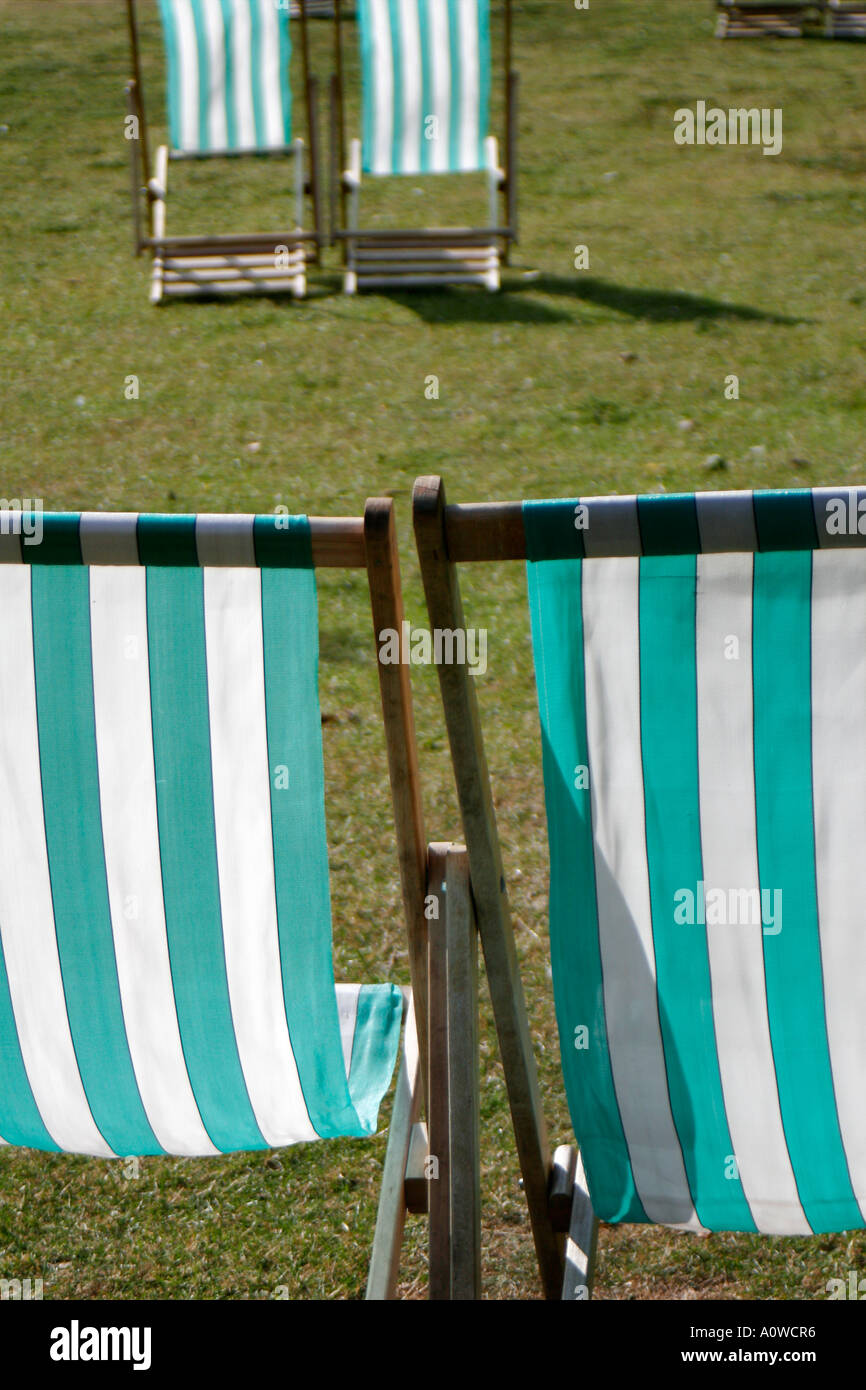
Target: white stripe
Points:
x,y
470,135
730,861
610,614
412,74
726,521
439,51
839,508
225,540
11,538
127,795
268,77
109,538
839,792
242,813
187,56
347,1009
242,73
612,527
217,126
26,908
382,96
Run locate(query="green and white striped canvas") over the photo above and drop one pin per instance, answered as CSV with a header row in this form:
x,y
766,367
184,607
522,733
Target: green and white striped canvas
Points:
x,y
426,85
166,978
701,672
228,74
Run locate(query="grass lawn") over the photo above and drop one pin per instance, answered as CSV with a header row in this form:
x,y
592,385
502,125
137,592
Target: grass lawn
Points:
x,y
703,263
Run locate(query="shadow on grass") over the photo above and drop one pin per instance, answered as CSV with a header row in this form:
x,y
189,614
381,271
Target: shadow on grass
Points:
x,y
512,306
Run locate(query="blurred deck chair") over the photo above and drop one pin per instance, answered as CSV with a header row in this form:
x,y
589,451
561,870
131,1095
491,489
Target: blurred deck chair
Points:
x,y
229,94
166,974
845,19
700,666
426,81
739,19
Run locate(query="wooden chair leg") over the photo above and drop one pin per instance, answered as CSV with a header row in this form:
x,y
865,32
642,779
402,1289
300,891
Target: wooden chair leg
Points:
x,y
388,1236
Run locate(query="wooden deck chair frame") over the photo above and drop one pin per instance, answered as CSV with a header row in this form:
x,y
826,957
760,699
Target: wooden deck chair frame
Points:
x,y
227,263
409,258
817,1194
428,1168
845,19
762,18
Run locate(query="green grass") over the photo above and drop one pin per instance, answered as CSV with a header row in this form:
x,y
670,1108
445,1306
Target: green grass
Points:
x,y
703,263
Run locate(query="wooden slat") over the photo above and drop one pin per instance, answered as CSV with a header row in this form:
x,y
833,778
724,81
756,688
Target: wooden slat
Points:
x,y
485,531
445,609
386,598
580,1252
338,542
229,244
438,1116
391,1215
463,1087
410,236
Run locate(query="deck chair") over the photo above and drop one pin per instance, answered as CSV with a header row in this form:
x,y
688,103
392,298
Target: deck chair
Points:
x,y
166,977
701,672
426,79
228,95
745,19
845,19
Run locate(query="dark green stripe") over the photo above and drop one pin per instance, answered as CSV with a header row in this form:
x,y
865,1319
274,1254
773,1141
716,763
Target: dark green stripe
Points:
x,y
285,86
550,530
231,97
73,832
669,743
786,857
397,98
484,76
785,520
557,639
374,1049
368,85
283,542
187,839
668,525
166,9
256,62
294,725
60,544
167,540
20,1120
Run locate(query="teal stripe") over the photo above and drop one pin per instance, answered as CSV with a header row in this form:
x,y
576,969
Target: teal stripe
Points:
x,y
285,85
204,139
426,83
231,95
669,528
20,1120
173,86
557,637
669,742
551,533
484,76
60,544
282,542
397,100
374,1050
785,520
73,832
456,104
294,727
368,85
786,856
187,839
256,61
166,540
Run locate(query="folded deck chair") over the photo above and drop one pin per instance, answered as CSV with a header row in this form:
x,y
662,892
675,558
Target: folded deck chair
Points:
x,y
166,977
426,80
229,94
739,19
701,672
845,19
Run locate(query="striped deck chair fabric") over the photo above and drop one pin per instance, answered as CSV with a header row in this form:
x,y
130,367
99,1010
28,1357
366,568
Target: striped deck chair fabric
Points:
x,y
701,673
166,978
228,75
756,18
426,85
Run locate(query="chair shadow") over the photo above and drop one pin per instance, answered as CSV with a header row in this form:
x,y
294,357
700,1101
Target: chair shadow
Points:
x,y
513,305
